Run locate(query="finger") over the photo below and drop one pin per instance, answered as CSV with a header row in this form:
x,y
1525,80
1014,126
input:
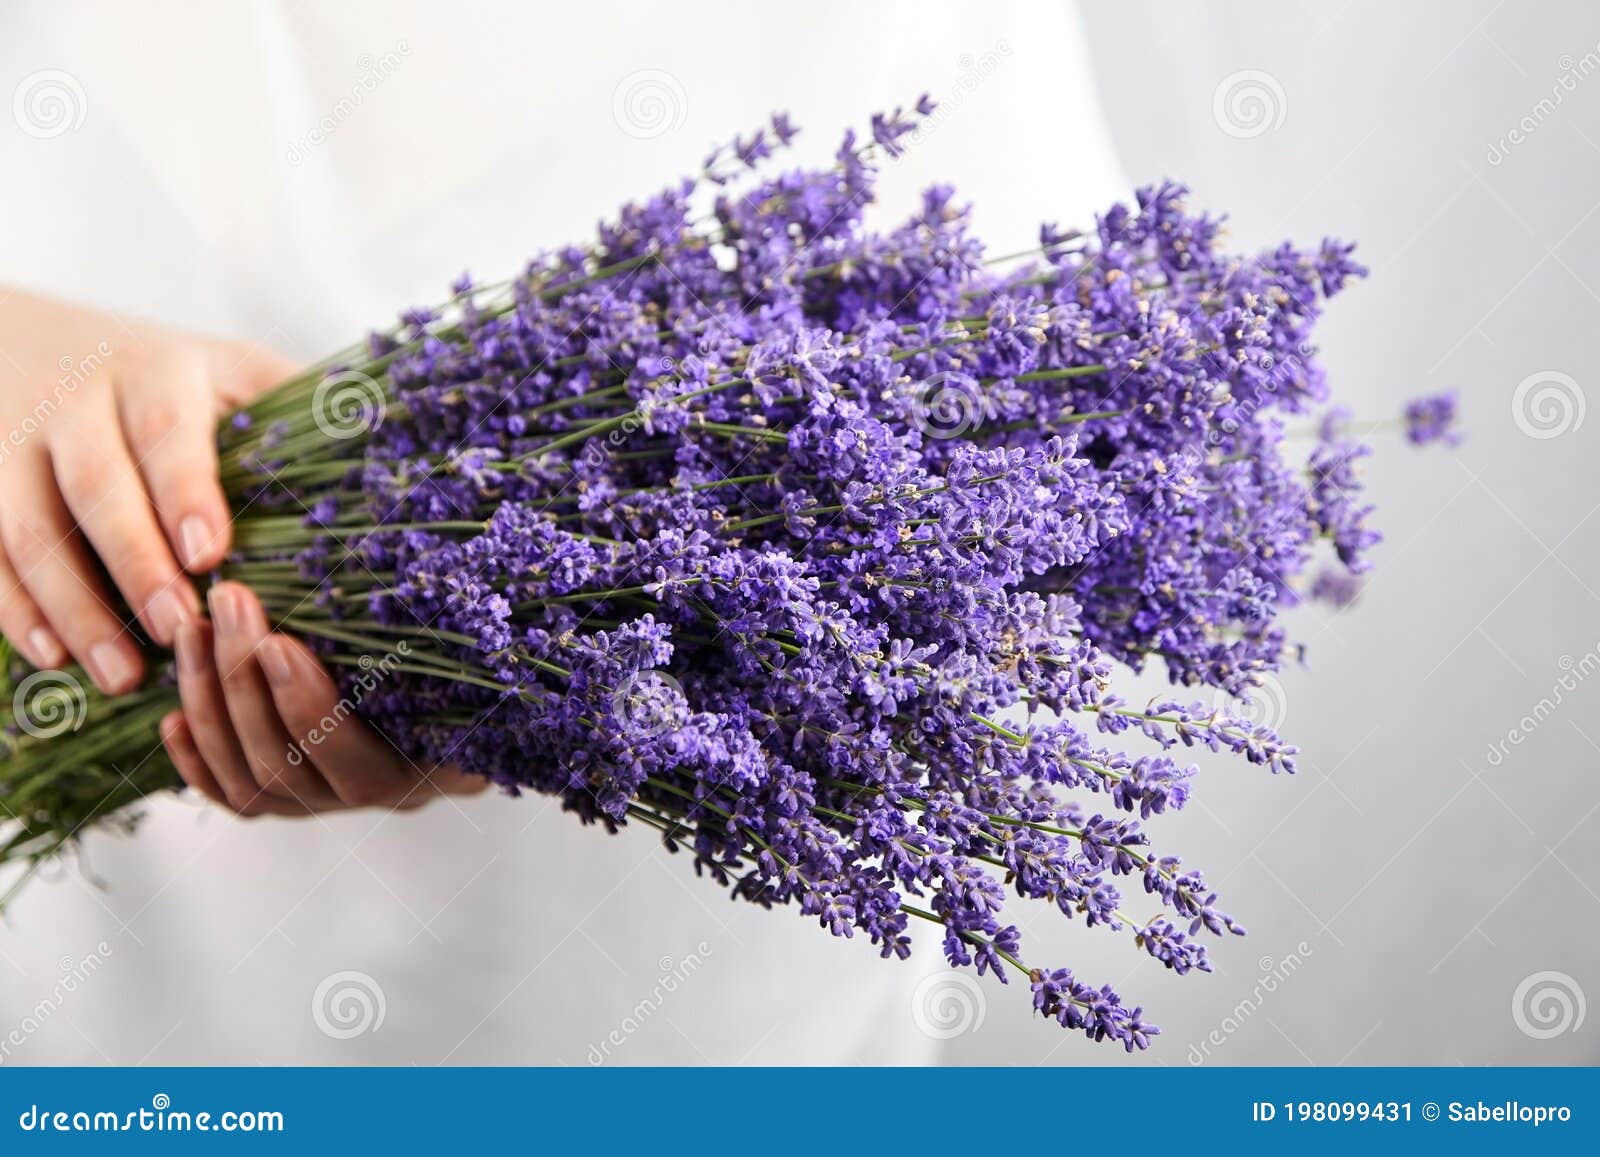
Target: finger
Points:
x,y
277,764
361,767
247,371
102,488
173,434
441,781
206,720
451,780
24,623
171,429
185,756
59,575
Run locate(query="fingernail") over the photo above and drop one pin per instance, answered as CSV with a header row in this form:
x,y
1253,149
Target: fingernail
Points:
x,y
224,609
112,667
194,539
168,611
275,662
47,649
191,649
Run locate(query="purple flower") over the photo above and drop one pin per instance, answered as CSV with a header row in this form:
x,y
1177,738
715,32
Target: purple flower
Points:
x,y
821,550
1432,419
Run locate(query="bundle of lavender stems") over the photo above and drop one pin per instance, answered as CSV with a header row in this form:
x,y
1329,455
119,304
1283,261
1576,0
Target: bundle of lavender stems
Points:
x,y
814,548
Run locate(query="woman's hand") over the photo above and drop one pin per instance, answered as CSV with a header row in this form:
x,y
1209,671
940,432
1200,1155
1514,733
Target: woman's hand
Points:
x,y
108,452
264,732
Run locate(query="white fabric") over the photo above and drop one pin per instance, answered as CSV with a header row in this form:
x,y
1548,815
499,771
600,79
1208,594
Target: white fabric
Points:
x,y
195,191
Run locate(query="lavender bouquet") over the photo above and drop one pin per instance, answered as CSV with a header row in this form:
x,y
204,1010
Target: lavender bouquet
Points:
x,y
813,547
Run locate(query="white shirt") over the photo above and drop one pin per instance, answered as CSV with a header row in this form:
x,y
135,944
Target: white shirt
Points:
x,y
294,175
